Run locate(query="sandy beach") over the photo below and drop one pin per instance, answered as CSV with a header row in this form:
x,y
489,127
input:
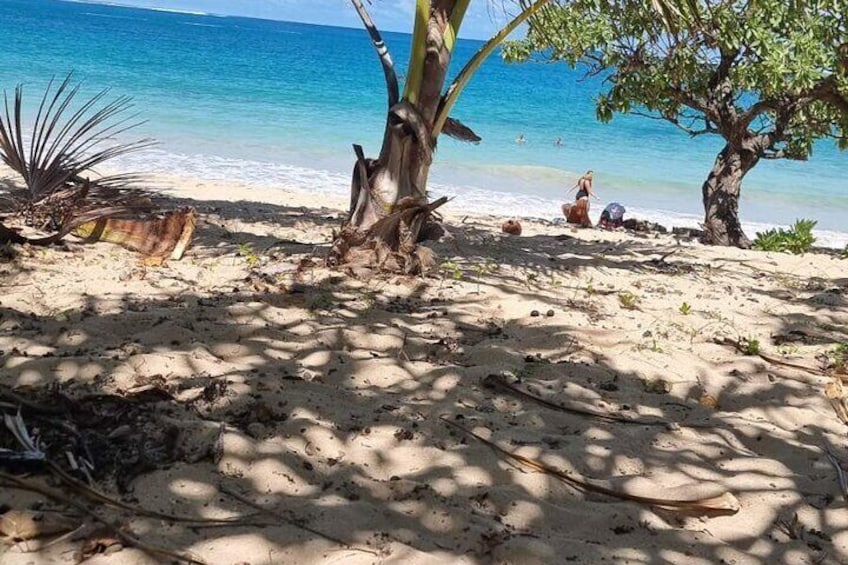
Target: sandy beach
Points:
x,y
249,382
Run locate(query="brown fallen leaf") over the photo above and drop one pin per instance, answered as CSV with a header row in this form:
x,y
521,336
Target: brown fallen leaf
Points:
x,y
158,238
709,401
23,525
99,542
836,395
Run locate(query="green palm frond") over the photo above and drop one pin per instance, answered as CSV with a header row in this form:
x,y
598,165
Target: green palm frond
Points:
x,y
414,75
456,87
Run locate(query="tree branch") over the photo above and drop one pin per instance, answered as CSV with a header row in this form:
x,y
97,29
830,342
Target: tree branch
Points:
x,y
692,132
759,108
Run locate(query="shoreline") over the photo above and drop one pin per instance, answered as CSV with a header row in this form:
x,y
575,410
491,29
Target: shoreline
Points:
x,y
333,178
827,241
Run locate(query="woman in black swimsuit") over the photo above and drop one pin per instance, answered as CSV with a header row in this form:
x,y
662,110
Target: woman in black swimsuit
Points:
x,y
584,187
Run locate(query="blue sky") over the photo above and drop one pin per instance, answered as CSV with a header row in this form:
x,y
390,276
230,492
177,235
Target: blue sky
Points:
x,y
482,20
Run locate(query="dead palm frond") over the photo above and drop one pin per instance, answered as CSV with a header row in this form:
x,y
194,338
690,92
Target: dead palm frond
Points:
x,y
67,142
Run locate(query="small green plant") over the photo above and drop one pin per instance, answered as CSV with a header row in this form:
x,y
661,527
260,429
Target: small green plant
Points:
x,y
628,300
750,346
251,258
452,269
797,239
590,289
484,269
838,357
685,309
788,349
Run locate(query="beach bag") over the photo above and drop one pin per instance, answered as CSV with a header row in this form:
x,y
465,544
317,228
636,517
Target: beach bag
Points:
x,y
613,215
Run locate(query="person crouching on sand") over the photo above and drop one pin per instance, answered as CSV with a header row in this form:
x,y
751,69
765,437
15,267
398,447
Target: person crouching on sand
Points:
x,y
577,213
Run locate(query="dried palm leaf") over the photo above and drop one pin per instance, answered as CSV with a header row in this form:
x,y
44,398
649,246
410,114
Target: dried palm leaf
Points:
x,y
68,140
705,498
154,237
457,130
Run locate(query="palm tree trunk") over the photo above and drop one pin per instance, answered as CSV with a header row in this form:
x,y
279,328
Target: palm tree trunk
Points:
x,y
388,205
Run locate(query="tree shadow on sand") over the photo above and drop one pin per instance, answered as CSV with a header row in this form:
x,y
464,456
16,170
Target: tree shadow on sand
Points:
x,y
321,399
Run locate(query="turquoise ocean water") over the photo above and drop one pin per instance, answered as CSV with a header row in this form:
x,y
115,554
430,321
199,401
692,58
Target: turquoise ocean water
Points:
x,y
279,104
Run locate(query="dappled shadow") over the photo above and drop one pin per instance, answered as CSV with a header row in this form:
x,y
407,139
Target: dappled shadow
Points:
x,y
320,397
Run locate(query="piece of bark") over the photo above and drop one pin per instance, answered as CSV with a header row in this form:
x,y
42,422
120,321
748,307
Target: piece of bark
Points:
x,y
156,238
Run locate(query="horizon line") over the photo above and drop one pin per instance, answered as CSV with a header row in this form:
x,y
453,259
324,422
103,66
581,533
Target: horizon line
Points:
x,y
119,4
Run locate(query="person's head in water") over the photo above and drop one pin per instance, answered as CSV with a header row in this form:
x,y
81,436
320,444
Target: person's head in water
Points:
x,y
588,175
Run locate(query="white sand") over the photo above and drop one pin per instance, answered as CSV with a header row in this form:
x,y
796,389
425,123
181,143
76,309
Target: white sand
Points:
x,y
332,388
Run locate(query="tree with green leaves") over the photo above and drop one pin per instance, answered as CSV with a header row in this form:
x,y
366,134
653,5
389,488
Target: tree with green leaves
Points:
x,y
770,77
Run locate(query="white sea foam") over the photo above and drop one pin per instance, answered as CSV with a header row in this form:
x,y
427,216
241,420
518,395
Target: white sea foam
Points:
x,y
177,11
124,5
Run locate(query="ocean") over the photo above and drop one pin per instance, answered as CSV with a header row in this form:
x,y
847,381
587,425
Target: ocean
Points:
x,y
275,103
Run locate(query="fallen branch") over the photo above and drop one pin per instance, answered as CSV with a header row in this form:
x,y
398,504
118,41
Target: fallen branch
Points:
x,y
11,481
292,522
702,498
499,382
737,344
96,496
840,472
836,395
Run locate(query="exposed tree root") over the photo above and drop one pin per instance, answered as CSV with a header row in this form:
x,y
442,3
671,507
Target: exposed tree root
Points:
x,y
391,244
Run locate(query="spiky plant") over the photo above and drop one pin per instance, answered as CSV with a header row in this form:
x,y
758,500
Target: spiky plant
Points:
x,y
57,161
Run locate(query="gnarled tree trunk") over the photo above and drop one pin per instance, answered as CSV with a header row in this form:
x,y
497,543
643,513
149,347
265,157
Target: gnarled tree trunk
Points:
x,y
721,197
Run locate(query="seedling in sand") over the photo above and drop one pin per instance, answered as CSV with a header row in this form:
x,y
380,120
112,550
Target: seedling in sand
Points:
x,y
839,357
590,290
483,269
788,349
628,300
750,346
452,269
685,309
251,258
